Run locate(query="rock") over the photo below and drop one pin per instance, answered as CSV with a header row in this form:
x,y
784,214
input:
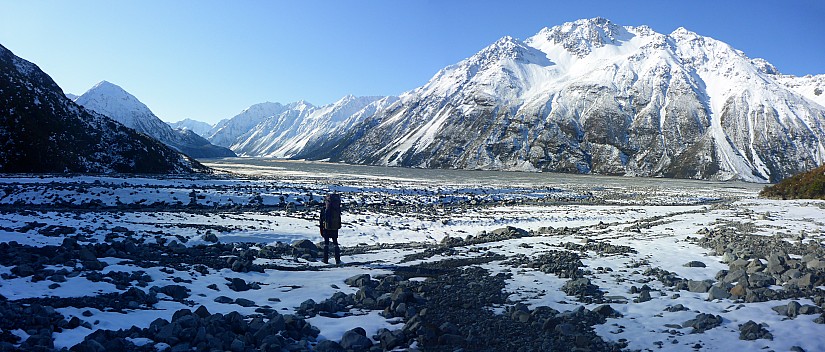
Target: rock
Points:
x,y
677,308
359,280
391,339
760,280
582,289
694,264
739,291
243,302
793,309
755,266
809,309
716,292
329,346
23,270
305,246
177,292
237,284
815,264
88,346
607,311
224,299
644,296
737,264
210,237
698,286
86,254
735,276
752,331
356,340
307,308
703,322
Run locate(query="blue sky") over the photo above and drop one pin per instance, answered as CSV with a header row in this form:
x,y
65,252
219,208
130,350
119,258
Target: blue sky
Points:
x,y
208,60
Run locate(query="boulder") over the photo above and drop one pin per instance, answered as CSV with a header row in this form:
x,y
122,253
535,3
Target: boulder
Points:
x,y
356,340
698,286
359,280
752,331
329,346
717,292
694,264
703,322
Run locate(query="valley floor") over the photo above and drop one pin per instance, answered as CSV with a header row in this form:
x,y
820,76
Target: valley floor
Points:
x,y
431,261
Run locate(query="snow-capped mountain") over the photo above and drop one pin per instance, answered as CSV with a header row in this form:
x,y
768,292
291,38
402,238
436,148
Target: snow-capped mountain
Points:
x,y
594,97
226,132
113,101
41,130
199,127
287,133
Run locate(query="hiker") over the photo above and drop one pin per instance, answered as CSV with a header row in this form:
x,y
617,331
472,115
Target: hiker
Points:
x,y
330,222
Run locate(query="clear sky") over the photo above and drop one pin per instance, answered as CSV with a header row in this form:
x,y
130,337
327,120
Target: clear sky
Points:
x,y
208,60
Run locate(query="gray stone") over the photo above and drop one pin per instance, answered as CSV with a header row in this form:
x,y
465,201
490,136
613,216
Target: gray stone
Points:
x,y
694,264
735,276
243,302
716,292
329,346
359,280
759,280
356,340
703,322
698,286
793,309
752,331
224,299
644,296
816,264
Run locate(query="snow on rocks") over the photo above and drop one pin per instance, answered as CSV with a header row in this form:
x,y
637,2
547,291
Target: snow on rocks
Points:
x,y
489,269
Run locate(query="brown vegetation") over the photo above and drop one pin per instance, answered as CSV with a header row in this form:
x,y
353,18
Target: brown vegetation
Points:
x,y
807,185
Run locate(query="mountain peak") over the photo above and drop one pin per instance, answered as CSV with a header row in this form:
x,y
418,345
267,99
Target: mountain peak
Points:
x,y
113,101
582,36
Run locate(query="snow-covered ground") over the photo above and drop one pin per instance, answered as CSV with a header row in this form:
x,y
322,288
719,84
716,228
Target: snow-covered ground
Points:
x,y
267,202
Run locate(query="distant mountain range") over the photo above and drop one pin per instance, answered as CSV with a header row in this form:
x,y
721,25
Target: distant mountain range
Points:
x,y
42,131
113,101
587,96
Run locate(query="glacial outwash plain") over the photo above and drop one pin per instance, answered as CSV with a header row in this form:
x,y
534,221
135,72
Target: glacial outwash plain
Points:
x,y
434,260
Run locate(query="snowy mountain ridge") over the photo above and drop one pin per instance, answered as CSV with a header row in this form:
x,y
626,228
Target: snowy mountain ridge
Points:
x,y
276,130
594,97
199,127
116,103
588,96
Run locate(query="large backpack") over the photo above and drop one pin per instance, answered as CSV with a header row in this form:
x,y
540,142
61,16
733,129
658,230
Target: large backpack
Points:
x,y
332,211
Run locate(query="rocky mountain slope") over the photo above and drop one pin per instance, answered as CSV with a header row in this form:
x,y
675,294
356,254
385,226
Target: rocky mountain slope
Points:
x,y
113,101
594,97
41,130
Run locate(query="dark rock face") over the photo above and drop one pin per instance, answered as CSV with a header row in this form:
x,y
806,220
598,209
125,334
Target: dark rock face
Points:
x,y
43,131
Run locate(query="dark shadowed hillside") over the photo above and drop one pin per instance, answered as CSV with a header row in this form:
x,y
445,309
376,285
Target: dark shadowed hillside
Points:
x,y
42,131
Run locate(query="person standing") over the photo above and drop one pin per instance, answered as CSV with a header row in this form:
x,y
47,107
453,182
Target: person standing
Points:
x,y
330,223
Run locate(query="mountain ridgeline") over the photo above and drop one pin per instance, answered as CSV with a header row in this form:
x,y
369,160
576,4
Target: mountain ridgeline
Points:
x,y
584,97
113,101
42,131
